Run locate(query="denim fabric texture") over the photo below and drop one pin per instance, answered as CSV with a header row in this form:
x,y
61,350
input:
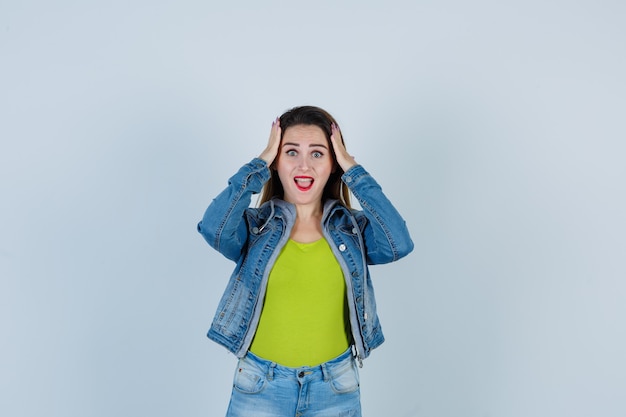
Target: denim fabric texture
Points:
x,y
264,389
254,237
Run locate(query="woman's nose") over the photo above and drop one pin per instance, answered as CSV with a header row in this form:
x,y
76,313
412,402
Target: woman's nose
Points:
x,y
304,164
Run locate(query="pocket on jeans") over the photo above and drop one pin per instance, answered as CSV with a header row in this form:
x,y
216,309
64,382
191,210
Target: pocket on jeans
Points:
x,y
249,378
345,378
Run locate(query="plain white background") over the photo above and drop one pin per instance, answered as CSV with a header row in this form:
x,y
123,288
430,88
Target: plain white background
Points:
x,y
497,128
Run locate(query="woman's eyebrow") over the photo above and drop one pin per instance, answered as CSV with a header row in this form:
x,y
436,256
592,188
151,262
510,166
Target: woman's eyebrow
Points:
x,y
319,145
297,145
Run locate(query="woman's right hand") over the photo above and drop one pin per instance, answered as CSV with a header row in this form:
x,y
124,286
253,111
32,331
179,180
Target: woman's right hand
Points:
x,y
270,152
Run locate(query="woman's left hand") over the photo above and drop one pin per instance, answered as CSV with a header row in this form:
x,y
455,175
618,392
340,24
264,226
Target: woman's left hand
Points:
x,y
344,159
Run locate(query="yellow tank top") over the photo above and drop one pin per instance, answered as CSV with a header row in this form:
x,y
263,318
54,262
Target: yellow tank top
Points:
x,y
304,317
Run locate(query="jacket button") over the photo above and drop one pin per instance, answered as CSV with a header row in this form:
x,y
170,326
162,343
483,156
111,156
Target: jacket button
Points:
x,y
342,247
255,230
348,179
354,230
355,273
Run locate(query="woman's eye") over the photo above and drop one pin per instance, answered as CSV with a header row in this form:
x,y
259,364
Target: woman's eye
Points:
x,y
292,152
317,154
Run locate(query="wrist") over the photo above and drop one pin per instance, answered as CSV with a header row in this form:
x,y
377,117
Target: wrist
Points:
x,y
347,164
267,157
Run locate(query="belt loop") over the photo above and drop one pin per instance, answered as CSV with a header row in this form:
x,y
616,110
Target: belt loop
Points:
x,y
270,371
325,372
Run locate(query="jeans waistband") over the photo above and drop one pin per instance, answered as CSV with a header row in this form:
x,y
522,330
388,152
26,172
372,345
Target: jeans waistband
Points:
x,y
323,369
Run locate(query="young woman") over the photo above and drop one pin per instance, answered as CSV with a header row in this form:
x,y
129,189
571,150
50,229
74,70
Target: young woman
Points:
x,y
299,309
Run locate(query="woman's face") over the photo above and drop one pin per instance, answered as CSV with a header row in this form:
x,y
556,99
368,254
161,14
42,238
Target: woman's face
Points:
x,y
304,164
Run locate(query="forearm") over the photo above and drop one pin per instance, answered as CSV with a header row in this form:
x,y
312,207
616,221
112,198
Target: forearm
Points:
x,y
386,235
223,224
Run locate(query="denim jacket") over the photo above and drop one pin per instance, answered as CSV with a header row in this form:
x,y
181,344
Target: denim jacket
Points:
x,y
254,237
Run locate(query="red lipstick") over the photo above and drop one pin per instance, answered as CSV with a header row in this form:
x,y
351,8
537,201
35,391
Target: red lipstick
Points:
x,y
303,183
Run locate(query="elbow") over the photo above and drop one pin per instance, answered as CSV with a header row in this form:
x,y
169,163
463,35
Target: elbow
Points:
x,y
226,246
404,248
405,245
208,233
201,229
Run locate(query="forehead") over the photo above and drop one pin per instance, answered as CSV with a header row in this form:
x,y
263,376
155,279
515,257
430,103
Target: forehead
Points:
x,y
304,133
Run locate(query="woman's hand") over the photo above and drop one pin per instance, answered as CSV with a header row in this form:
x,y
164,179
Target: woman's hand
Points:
x,y
344,159
270,152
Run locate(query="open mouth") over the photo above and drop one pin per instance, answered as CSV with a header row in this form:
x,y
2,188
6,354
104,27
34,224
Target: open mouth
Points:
x,y
303,183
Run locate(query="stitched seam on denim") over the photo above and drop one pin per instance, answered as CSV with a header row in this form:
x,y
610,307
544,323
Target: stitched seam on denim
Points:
x,y
231,208
227,214
235,200
356,173
383,226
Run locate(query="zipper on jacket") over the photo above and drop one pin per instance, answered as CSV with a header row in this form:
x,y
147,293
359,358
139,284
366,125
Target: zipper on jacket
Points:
x,y
357,231
354,320
258,305
354,317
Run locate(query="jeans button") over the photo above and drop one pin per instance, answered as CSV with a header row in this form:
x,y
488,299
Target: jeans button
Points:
x,y
301,374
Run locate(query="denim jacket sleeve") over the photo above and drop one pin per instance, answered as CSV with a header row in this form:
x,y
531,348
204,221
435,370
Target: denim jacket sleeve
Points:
x,y
223,225
385,234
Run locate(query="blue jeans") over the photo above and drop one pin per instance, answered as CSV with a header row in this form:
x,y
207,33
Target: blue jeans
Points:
x,y
264,389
